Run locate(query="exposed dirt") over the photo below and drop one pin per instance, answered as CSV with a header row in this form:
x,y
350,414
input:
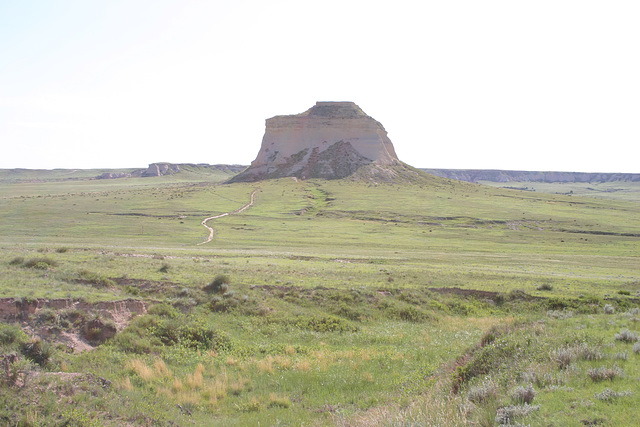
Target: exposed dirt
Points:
x,y
78,325
237,211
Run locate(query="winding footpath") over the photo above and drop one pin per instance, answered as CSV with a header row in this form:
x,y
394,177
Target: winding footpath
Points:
x,y
237,211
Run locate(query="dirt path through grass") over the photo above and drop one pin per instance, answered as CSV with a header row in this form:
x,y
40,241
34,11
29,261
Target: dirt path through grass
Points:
x,y
237,211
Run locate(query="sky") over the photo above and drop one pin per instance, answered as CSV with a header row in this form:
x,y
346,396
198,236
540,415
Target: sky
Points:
x,y
465,84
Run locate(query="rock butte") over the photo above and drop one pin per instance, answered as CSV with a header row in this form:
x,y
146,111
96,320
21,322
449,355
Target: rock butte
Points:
x,y
331,140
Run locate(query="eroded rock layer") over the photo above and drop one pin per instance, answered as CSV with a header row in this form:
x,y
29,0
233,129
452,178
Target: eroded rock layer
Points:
x,y
331,140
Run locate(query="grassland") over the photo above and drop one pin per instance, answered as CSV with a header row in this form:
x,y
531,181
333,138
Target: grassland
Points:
x,y
436,302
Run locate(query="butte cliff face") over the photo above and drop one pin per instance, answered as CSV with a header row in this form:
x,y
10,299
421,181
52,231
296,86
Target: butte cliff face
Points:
x,y
331,140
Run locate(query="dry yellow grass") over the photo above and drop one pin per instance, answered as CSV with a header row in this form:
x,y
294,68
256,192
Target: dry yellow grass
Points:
x,y
303,365
141,369
195,380
161,368
125,384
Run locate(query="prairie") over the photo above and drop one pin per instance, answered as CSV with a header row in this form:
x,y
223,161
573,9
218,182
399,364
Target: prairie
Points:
x,y
434,302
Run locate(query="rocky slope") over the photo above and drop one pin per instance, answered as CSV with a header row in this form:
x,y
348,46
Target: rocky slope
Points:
x,y
331,140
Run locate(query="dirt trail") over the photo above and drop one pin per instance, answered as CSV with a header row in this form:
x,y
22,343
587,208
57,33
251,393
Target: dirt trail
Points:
x,y
237,211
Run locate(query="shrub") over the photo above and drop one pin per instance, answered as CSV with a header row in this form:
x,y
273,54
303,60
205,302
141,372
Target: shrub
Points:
x,y
602,373
626,336
507,414
609,309
224,304
560,314
608,395
544,287
10,334
622,355
164,310
62,250
37,350
47,315
41,263
624,292
95,279
325,323
564,357
16,261
220,284
636,348
522,395
165,268
485,392
589,353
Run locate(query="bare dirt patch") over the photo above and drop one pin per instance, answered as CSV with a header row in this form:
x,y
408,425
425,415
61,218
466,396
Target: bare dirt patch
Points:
x,y
78,325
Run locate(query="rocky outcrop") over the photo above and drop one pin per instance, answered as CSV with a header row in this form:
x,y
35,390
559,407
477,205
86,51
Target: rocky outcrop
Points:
x,y
476,175
331,140
161,169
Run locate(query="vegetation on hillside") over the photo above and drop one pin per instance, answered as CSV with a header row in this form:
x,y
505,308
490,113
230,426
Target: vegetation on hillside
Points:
x,y
434,302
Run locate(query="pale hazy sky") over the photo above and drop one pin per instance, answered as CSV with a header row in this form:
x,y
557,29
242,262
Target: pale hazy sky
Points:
x,y
533,85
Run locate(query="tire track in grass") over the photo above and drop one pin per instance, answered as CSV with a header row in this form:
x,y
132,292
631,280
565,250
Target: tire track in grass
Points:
x,y
237,211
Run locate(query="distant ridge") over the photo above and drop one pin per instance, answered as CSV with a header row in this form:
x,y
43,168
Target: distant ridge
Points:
x,y
162,169
495,175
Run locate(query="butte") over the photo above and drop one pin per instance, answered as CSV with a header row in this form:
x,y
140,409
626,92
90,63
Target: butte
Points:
x,y
331,140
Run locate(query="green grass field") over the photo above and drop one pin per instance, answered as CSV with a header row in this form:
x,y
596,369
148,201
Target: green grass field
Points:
x,y
435,302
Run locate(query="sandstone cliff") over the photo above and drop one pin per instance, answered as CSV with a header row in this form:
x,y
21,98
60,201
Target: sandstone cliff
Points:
x,y
476,175
331,140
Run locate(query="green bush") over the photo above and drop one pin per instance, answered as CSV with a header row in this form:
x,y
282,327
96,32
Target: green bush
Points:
x,y
95,279
17,260
324,323
164,310
10,334
41,263
38,351
220,284
147,334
